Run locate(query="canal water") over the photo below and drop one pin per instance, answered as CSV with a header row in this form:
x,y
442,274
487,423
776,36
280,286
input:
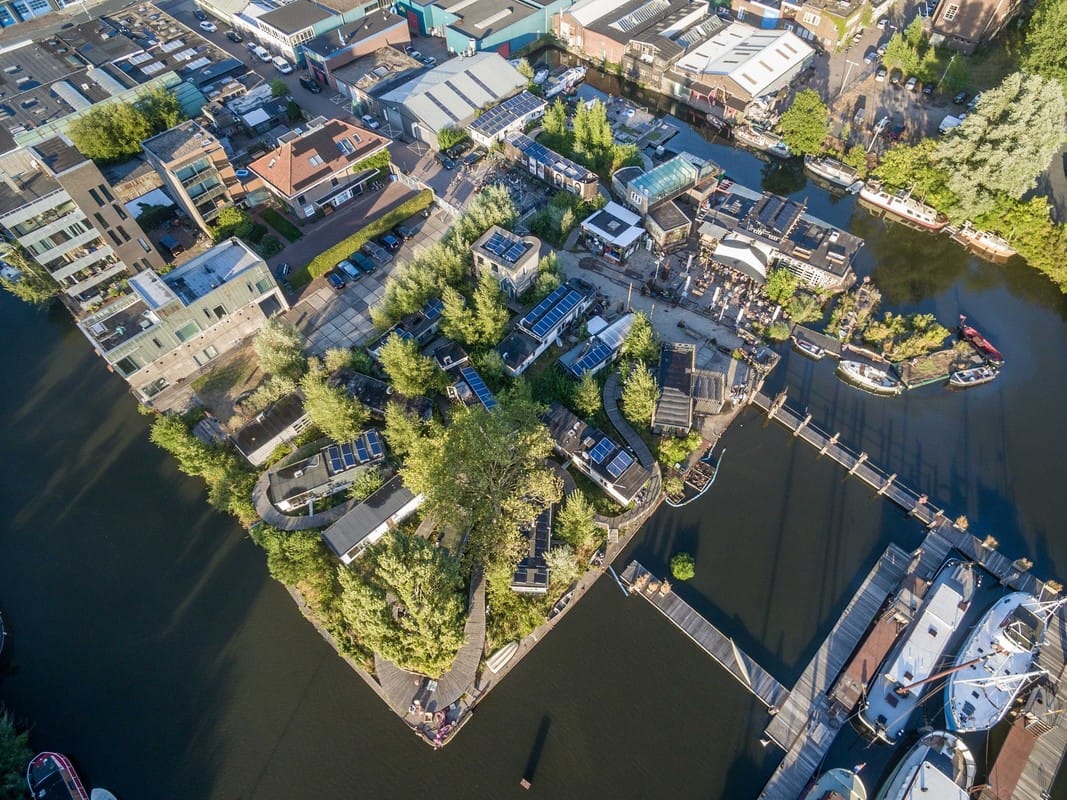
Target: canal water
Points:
x,y
149,643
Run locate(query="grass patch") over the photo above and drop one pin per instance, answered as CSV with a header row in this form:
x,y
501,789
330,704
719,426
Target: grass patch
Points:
x,y
598,497
323,262
281,224
225,378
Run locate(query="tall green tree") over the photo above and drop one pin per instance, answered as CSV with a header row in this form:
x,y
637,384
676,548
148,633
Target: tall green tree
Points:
x,y
587,396
639,395
913,168
408,605
490,313
486,472
411,373
333,410
457,321
554,131
298,558
574,522
523,67
15,754
110,131
642,342
279,347
35,285
1005,144
1045,47
899,54
781,285
402,428
161,109
804,123
915,33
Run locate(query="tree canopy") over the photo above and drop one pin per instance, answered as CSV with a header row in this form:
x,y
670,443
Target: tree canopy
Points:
x,y
913,168
1045,48
639,395
683,567
483,322
1005,143
804,123
402,428
35,285
781,285
279,347
411,373
574,522
15,754
486,472
407,604
333,410
642,342
587,396
114,131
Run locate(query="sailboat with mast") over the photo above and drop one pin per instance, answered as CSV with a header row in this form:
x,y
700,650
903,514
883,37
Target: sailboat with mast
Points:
x,y
997,662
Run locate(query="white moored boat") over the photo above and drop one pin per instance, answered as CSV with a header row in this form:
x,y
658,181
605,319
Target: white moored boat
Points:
x,y
996,662
501,657
913,662
761,140
938,767
869,377
975,376
809,349
833,171
903,207
984,243
837,783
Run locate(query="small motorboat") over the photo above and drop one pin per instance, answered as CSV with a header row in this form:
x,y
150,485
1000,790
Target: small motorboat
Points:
x,y
501,657
975,376
971,335
807,348
101,794
835,783
871,378
51,776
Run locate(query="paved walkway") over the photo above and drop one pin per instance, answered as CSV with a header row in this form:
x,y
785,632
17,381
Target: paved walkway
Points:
x,y
612,393
283,522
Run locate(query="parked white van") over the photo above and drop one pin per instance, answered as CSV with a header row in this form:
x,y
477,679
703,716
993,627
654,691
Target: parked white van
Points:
x,y
283,66
262,54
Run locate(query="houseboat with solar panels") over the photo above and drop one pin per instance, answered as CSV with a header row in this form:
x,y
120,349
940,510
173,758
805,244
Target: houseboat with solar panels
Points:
x,y
938,767
905,676
997,662
837,783
834,172
903,207
51,776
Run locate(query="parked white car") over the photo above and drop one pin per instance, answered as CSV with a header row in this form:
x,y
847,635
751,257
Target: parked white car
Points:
x,y
208,27
262,54
370,121
283,66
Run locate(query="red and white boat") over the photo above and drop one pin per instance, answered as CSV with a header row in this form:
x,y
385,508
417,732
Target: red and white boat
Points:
x,y
971,335
50,776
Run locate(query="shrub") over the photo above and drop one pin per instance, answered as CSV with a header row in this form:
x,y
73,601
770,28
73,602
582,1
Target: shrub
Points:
x,y
683,567
281,224
323,262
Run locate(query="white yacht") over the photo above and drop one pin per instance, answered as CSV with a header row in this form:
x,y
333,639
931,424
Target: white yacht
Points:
x,y
871,378
915,660
833,171
904,207
837,783
938,767
997,661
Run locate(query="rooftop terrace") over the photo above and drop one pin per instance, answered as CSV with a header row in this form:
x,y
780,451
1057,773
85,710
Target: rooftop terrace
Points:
x,y
196,278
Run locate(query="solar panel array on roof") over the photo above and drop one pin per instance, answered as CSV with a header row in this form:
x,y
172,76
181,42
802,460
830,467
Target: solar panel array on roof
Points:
x,y
432,310
550,320
596,356
474,380
363,449
498,244
499,117
541,308
602,450
640,15
620,464
374,442
550,158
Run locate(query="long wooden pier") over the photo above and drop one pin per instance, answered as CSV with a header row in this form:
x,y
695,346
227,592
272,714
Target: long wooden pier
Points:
x,y
709,638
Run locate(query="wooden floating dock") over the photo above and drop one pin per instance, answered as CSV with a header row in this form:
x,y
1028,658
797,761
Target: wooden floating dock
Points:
x,y
709,638
804,726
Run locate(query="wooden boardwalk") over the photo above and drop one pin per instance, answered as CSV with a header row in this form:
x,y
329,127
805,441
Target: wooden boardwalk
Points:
x,y
710,639
803,726
612,395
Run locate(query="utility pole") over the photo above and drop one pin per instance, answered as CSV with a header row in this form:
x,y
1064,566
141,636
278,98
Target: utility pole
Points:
x,y
844,81
948,66
877,131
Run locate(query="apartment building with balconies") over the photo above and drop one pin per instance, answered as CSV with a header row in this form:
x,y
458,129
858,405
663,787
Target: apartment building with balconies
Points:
x,y
58,207
196,170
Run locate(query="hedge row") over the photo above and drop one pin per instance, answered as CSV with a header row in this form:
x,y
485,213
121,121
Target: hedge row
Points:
x,y
325,261
281,224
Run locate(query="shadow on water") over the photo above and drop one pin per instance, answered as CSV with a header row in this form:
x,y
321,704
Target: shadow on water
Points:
x,y
538,747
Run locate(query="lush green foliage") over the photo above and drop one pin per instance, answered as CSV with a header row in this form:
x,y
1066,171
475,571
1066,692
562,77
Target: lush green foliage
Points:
x,y
683,567
232,221
574,522
324,261
781,285
300,559
380,161
273,389
549,278
279,347
483,323
36,285
450,137
639,395
278,88
677,449
899,54
914,168
554,221
229,481
1004,144
903,337
524,69
366,483
407,604
804,123
588,139
1045,50
333,410
803,307
564,566
15,754
402,429
486,473
586,400
287,229
114,131
411,373
642,342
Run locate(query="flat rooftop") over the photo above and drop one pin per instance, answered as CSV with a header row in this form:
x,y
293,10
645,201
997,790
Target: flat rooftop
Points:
x,y
188,283
20,182
179,142
351,33
481,18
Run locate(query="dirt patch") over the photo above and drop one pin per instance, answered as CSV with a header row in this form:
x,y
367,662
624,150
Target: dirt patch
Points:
x,y
234,374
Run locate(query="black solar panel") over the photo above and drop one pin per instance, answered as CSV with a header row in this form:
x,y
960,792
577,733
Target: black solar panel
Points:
x,y
474,380
348,455
620,464
432,310
333,453
361,450
602,450
500,116
539,310
374,442
515,252
498,244
599,353
549,321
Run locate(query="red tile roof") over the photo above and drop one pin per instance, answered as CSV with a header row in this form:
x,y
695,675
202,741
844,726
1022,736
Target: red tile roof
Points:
x,y
326,150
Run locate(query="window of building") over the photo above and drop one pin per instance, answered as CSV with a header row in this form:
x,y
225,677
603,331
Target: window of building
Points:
x,y
127,366
96,197
220,312
144,245
104,191
101,221
740,13
333,181
154,388
115,238
951,12
301,199
122,232
187,331
119,210
811,19
263,285
206,355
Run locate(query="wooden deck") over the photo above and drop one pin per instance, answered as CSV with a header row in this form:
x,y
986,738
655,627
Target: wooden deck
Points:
x,y
804,726
709,638
612,395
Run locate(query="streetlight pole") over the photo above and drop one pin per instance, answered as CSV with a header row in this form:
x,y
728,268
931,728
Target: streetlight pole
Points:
x,y
948,66
844,80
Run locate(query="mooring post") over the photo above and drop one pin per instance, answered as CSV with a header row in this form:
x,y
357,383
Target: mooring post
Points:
x,y
888,483
803,424
831,442
859,461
